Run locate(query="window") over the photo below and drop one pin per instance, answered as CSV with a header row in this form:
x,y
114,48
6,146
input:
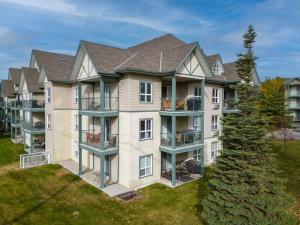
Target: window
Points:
x,y
197,123
197,92
214,122
76,151
197,154
214,149
48,120
145,129
145,166
76,95
216,68
146,92
76,122
215,95
48,95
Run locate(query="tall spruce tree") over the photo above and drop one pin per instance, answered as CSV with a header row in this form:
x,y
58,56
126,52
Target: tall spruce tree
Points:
x,y
245,187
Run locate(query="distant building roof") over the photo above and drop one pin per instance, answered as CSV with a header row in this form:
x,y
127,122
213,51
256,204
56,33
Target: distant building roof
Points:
x,y
31,77
8,88
15,75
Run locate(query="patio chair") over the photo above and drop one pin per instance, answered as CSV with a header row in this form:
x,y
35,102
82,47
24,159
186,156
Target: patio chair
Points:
x,y
180,103
166,104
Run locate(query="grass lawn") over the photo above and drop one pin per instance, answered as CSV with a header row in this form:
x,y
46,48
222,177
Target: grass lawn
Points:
x,y
50,195
9,152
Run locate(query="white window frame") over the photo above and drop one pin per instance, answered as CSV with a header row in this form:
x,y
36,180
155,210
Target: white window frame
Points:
x,y
148,131
76,95
197,155
146,167
48,121
197,91
216,68
214,149
215,95
145,94
76,122
76,150
48,95
214,122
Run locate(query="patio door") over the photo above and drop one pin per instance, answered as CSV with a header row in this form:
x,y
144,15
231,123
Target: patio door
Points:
x,y
107,166
166,92
166,128
107,95
107,130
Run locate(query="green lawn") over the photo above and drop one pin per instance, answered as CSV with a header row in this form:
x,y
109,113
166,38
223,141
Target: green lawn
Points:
x,y
9,152
50,195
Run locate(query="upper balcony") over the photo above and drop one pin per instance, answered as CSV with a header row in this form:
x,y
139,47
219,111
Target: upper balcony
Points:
x,y
35,127
16,105
294,105
182,97
294,93
99,97
229,106
34,105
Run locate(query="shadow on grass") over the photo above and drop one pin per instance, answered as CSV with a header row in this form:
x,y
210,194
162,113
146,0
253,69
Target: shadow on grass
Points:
x,y
44,202
203,192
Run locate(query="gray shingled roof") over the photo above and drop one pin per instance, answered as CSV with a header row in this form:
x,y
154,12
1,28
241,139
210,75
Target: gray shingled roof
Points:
x,y
31,77
211,59
289,80
15,75
162,54
57,66
7,88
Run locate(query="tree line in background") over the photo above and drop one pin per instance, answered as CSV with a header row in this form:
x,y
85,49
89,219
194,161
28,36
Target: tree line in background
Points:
x,y
245,186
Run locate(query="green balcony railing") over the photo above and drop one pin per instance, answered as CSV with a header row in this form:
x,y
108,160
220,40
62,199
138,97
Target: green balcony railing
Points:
x,y
183,138
182,104
16,104
34,104
93,139
94,104
229,105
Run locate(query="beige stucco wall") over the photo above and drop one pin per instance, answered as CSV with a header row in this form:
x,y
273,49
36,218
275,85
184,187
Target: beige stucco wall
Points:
x,y
131,148
129,88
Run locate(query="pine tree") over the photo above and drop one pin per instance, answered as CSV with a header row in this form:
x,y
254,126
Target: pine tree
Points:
x,y
245,187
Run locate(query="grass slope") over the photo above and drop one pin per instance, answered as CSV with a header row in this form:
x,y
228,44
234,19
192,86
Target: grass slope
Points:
x,y
9,152
51,195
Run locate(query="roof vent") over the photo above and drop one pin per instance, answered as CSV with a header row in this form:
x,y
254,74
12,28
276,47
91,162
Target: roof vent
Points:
x,y
63,60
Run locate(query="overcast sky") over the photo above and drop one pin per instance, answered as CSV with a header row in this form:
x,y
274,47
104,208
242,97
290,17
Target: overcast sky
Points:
x,y
58,25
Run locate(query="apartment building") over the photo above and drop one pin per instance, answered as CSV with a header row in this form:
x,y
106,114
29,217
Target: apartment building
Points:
x,y
8,96
33,110
14,74
292,94
129,116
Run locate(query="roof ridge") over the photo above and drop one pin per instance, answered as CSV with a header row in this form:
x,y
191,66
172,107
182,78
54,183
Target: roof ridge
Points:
x,y
53,53
94,43
154,39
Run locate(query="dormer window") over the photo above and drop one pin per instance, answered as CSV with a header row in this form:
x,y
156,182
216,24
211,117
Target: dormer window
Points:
x,y
216,69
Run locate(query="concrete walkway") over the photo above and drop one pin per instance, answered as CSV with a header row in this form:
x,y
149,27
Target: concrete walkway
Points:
x,y
89,177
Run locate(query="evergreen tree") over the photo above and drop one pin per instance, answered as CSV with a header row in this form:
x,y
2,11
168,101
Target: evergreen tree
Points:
x,y
245,185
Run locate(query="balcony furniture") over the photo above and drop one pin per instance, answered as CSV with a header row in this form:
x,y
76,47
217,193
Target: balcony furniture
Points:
x,y
166,104
113,141
180,103
193,166
193,104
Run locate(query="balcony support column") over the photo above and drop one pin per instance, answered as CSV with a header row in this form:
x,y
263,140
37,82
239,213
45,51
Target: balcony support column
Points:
x,y
31,135
174,130
79,129
202,128
173,169
102,170
102,97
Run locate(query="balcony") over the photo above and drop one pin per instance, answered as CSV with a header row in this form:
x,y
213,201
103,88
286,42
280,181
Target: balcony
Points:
x,y
36,126
94,104
16,121
16,104
294,93
182,104
93,139
229,106
183,138
294,105
34,104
